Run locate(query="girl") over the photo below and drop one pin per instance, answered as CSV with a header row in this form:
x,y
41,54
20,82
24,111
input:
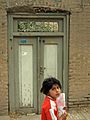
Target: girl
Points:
x,y
51,87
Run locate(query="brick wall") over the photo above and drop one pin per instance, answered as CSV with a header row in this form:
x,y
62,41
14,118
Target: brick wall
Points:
x,y
3,63
79,58
79,50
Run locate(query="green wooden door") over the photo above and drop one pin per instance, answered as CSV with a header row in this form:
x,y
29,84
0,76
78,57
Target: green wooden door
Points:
x,y
50,60
25,76
35,58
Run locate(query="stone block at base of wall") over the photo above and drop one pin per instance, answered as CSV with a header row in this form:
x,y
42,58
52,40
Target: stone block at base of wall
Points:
x,y
4,118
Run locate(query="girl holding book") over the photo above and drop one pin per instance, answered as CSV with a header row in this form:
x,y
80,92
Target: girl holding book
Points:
x,y
51,87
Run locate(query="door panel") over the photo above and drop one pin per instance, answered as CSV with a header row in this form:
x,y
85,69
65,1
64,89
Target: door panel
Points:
x,y
52,57
50,60
25,74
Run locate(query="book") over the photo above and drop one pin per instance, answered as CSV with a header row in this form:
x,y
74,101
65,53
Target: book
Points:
x,y
61,104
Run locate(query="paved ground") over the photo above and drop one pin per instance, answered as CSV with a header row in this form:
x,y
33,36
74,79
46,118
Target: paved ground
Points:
x,y
74,114
79,114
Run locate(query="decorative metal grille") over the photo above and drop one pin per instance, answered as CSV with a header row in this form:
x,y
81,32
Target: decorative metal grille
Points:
x,y
33,26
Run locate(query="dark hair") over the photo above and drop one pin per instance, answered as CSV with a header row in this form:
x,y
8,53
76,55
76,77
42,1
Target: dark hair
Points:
x,y
48,83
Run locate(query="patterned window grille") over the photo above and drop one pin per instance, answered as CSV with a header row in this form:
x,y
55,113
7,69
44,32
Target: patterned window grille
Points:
x,y
33,26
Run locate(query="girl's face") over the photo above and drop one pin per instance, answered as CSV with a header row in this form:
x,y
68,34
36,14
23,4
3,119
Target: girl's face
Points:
x,y
55,91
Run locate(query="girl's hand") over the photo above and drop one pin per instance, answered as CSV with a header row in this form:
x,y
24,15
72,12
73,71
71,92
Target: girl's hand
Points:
x,y
63,116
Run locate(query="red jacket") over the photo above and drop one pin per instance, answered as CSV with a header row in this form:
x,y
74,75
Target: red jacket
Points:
x,y
49,109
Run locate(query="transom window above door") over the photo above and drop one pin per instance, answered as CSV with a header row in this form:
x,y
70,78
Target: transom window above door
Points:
x,y
39,25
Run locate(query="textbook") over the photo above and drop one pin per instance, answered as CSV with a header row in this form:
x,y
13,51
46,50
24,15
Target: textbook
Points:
x,y
61,103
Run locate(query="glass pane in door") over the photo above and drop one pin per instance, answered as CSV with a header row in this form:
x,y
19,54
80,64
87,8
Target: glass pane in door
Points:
x,y
50,60
26,75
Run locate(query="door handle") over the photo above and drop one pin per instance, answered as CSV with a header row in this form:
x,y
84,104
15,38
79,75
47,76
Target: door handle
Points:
x,y
44,68
43,41
41,70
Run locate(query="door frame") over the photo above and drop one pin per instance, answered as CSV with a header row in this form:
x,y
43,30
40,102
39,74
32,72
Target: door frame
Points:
x,y
11,34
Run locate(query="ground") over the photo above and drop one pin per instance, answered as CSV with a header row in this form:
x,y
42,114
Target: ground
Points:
x,y
74,114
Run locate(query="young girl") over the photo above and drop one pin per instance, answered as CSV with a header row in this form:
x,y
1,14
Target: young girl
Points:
x,y
51,87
